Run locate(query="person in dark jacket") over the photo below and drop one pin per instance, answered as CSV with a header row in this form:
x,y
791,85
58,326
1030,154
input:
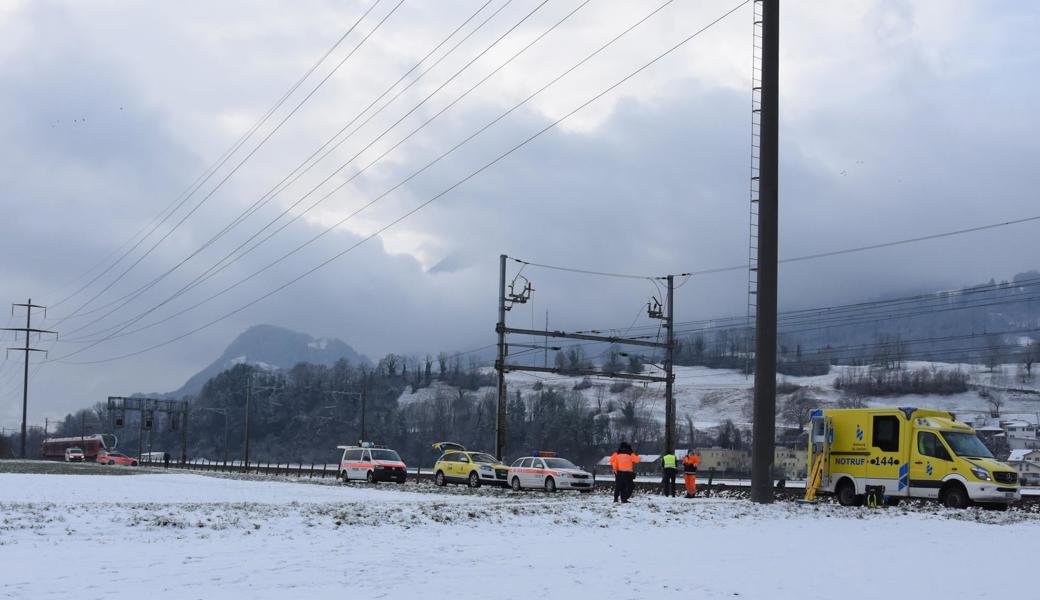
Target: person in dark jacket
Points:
x,y
618,478
166,460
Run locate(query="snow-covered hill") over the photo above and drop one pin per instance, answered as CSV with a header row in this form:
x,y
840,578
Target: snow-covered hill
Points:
x,y
710,397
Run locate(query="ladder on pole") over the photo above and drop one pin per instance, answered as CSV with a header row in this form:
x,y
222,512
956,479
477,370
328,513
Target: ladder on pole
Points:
x,y
753,191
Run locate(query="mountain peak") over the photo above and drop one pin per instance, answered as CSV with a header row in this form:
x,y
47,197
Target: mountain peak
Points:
x,y
273,347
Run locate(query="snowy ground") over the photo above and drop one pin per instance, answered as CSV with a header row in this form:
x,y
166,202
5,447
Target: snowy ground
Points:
x,y
190,536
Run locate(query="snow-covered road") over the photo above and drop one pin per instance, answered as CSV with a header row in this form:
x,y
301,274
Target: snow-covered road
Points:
x,y
189,536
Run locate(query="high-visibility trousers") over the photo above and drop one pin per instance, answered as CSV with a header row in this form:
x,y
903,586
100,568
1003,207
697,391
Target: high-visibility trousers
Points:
x,y
690,479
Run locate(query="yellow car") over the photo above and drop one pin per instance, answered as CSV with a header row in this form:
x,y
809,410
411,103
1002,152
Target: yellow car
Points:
x,y
458,465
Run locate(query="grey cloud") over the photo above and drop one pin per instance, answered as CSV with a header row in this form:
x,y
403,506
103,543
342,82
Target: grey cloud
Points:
x,y
660,186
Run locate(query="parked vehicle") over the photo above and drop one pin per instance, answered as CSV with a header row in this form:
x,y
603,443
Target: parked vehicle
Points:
x,y
885,454
111,457
74,454
371,463
545,471
458,465
54,448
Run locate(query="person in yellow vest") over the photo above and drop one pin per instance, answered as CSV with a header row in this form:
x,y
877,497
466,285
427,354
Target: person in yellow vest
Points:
x,y
690,463
668,474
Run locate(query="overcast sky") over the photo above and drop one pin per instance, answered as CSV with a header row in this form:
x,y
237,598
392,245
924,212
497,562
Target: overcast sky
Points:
x,y
898,119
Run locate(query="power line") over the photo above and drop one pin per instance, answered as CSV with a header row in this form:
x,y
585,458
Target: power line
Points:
x,y
581,271
889,244
243,161
944,295
447,190
835,311
291,178
223,263
401,183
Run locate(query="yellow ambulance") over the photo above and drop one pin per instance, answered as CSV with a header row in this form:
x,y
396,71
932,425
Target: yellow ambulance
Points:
x,y
884,454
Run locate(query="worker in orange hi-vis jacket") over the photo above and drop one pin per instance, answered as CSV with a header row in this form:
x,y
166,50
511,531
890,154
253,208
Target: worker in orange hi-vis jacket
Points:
x,y
690,463
626,475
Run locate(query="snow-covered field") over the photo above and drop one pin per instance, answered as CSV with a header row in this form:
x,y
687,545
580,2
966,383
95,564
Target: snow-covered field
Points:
x,y
189,536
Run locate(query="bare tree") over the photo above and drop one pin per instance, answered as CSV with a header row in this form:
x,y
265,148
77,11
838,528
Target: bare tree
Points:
x,y
994,355
996,401
613,362
796,408
691,431
576,357
852,399
601,396
390,363
1029,356
631,403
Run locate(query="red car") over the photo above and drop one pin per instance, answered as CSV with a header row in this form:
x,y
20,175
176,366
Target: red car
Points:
x,y
108,457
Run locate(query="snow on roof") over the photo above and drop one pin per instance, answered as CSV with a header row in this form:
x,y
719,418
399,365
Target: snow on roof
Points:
x,y
1021,454
1018,423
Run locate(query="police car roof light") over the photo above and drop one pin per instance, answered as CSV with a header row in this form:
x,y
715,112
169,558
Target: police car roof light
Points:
x,y
544,454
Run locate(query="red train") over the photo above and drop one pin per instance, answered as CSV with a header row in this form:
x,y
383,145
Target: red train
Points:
x,y
90,444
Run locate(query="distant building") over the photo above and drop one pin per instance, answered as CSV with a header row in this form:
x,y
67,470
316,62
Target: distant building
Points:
x,y
1021,435
791,462
725,460
1027,463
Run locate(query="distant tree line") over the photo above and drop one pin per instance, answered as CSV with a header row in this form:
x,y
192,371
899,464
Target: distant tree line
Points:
x,y
901,381
301,414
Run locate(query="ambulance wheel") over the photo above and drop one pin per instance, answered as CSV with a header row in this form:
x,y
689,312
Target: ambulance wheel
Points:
x,y
515,484
474,480
550,485
846,494
955,496
439,479
343,476
370,477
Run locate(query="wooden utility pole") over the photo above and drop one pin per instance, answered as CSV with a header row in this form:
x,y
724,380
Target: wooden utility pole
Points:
x,y
28,331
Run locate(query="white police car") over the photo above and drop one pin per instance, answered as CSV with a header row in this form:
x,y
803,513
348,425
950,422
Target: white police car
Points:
x,y
547,472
